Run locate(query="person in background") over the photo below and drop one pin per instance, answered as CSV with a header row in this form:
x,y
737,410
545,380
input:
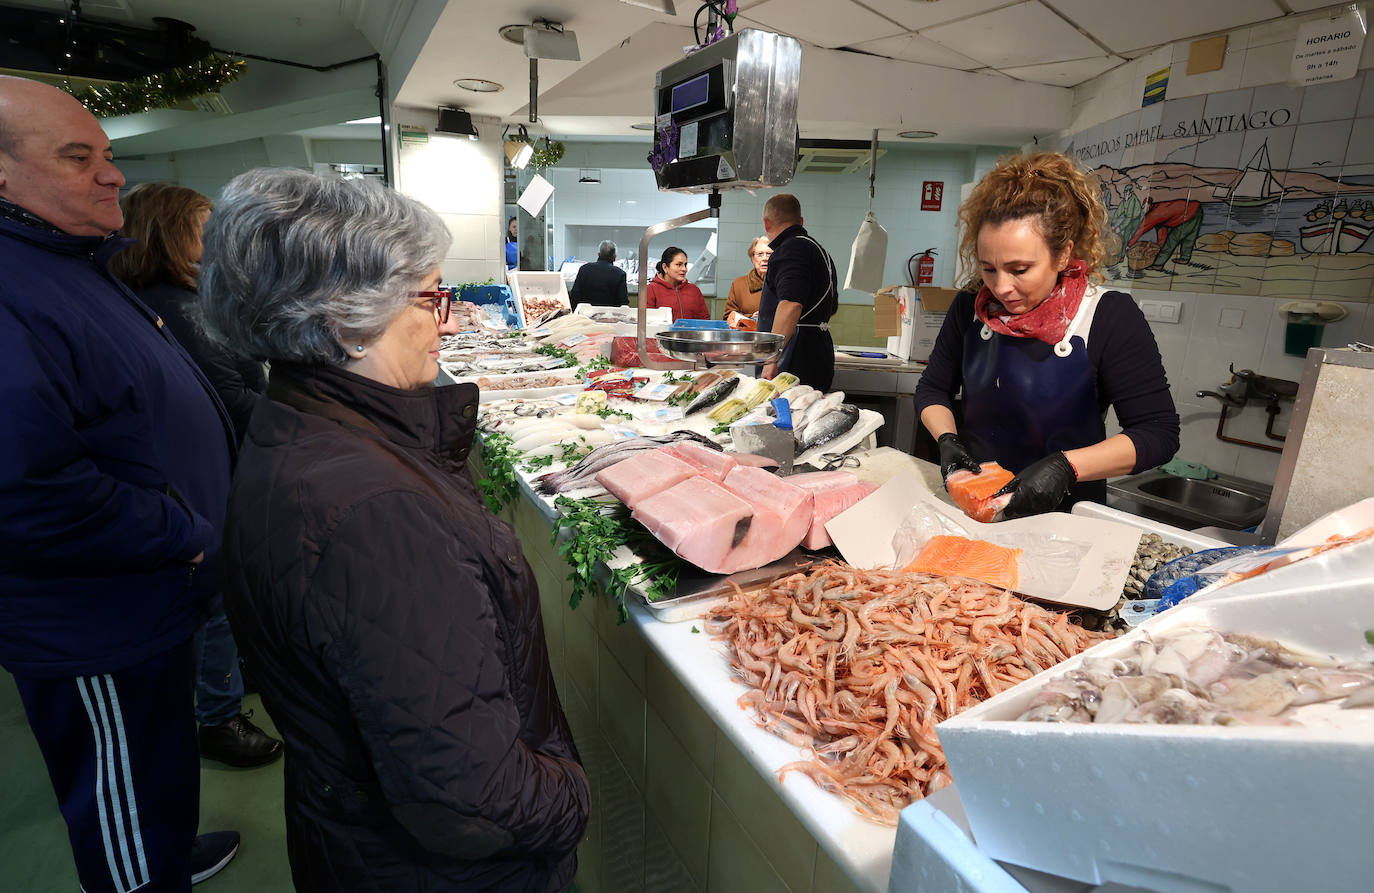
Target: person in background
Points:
x,y
512,244
1039,351
670,288
742,305
393,620
799,297
114,474
600,283
162,267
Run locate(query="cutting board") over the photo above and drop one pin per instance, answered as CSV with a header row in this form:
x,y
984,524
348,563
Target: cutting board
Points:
x,y
863,534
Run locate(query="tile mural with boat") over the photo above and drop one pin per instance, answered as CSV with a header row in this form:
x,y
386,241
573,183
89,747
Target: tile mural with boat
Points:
x,y
1263,191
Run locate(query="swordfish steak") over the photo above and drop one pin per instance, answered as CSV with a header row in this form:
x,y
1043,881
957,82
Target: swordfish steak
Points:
x,y
701,521
832,492
642,475
782,517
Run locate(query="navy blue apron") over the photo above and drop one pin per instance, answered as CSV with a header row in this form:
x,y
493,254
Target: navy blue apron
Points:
x,y
810,352
1025,399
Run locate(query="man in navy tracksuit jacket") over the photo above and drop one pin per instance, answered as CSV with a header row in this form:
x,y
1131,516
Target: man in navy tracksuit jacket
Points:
x,y
114,476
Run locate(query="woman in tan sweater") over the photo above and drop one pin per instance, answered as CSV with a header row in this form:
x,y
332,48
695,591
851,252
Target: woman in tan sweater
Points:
x,y
743,301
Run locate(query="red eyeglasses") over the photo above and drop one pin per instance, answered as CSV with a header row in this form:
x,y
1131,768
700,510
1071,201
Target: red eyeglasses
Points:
x,y
438,302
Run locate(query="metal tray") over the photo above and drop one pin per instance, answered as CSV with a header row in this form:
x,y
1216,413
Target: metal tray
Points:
x,y
720,348
697,590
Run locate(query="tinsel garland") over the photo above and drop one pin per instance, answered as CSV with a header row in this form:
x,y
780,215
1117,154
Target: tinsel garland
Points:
x,y
159,91
547,152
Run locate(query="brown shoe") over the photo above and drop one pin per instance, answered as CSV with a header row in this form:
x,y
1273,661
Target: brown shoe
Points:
x,y
239,743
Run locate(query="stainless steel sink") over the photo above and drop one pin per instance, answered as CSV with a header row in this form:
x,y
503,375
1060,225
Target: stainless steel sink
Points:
x,y
1224,501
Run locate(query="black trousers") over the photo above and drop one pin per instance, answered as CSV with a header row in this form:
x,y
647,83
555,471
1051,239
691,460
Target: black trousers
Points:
x,y
124,762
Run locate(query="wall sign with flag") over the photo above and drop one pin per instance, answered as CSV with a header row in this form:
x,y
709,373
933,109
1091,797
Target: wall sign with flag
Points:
x,y
932,193
1156,85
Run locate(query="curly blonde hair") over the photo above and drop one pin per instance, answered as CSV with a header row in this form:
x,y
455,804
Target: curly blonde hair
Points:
x,y
1050,187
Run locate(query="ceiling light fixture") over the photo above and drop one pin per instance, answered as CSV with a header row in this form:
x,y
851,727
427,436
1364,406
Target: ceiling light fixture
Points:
x,y
917,134
457,121
478,85
520,151
664,6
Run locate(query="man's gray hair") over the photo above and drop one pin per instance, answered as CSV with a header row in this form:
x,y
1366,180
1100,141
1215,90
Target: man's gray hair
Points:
x,y
606,251
295,264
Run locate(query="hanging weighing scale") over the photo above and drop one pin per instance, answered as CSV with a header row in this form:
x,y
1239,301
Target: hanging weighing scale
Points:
x,y
725,118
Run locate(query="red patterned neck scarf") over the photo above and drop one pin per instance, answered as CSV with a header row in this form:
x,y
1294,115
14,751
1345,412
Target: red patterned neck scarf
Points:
x,y
1047,322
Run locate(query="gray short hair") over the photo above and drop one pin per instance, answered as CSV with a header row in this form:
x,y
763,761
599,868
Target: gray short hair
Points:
x,y
606,250
295,262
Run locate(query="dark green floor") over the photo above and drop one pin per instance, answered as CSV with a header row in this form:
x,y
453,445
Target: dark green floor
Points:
x,y
35,857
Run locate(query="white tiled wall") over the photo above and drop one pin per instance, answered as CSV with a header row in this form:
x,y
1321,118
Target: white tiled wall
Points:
x,y
461,179
1198,350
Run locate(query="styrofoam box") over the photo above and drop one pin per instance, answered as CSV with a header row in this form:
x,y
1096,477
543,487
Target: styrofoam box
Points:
x,y
1189,808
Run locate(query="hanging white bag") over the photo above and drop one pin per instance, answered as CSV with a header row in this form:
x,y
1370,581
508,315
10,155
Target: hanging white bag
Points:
x,y
867,256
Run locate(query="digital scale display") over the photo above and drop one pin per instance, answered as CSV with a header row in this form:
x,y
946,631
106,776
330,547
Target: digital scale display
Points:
x,y
690,94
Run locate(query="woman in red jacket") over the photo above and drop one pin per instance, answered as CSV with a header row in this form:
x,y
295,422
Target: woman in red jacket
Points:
x,y
671,289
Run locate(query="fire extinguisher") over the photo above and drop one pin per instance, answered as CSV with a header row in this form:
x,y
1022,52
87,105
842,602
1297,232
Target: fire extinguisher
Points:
x,y
924,267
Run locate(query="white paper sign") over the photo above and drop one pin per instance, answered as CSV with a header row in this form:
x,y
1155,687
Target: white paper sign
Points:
x,y
535,196
1328,49
687,140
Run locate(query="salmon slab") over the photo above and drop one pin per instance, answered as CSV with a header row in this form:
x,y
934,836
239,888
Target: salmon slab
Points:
x,y
973,492
957,556
644,474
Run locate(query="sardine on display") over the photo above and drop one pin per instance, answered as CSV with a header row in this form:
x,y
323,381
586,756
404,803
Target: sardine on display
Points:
x,y
713,394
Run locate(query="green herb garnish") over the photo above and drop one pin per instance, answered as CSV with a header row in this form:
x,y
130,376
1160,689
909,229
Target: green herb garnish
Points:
x,y
606,412
536,463
553,350
695,630
593,534
499,487
575,451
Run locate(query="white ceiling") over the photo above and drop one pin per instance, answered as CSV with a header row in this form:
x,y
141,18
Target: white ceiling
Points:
x,y
1060,43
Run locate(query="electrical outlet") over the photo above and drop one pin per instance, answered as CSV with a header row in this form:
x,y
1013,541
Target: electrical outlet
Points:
x,y
1170,311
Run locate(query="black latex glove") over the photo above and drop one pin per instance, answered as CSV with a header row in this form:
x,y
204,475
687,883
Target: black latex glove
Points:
x,y
954,457
1040,487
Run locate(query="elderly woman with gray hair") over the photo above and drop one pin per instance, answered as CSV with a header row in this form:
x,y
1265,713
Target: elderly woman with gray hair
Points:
x,y
394,621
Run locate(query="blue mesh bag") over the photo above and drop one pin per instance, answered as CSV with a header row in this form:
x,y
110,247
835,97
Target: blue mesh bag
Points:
x,y
1181,577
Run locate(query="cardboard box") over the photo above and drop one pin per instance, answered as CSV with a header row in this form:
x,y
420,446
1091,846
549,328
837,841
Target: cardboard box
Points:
x,y
922,312
929,318
1187,809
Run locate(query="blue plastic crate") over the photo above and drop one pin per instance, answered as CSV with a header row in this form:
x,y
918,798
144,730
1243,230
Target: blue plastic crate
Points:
x,y
483,294
696,325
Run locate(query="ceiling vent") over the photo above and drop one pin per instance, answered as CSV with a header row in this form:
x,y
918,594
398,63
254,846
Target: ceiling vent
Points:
x,y
833,156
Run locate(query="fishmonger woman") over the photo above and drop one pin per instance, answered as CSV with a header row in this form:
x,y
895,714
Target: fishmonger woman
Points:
x,y
1039,350
393,620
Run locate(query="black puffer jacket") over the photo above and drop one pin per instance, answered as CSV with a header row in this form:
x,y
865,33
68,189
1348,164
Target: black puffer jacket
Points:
x,y
395,625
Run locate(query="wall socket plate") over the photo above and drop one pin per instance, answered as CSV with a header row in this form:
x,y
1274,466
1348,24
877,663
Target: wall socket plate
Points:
x,y
1162,311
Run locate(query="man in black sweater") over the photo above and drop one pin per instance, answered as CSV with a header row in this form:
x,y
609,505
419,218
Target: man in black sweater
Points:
x,y
601,283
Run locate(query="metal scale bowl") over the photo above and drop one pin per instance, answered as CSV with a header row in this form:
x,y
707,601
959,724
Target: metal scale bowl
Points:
x,y
720,347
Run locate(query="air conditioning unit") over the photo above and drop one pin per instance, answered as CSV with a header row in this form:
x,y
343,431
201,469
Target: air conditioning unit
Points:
x,y
833,156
